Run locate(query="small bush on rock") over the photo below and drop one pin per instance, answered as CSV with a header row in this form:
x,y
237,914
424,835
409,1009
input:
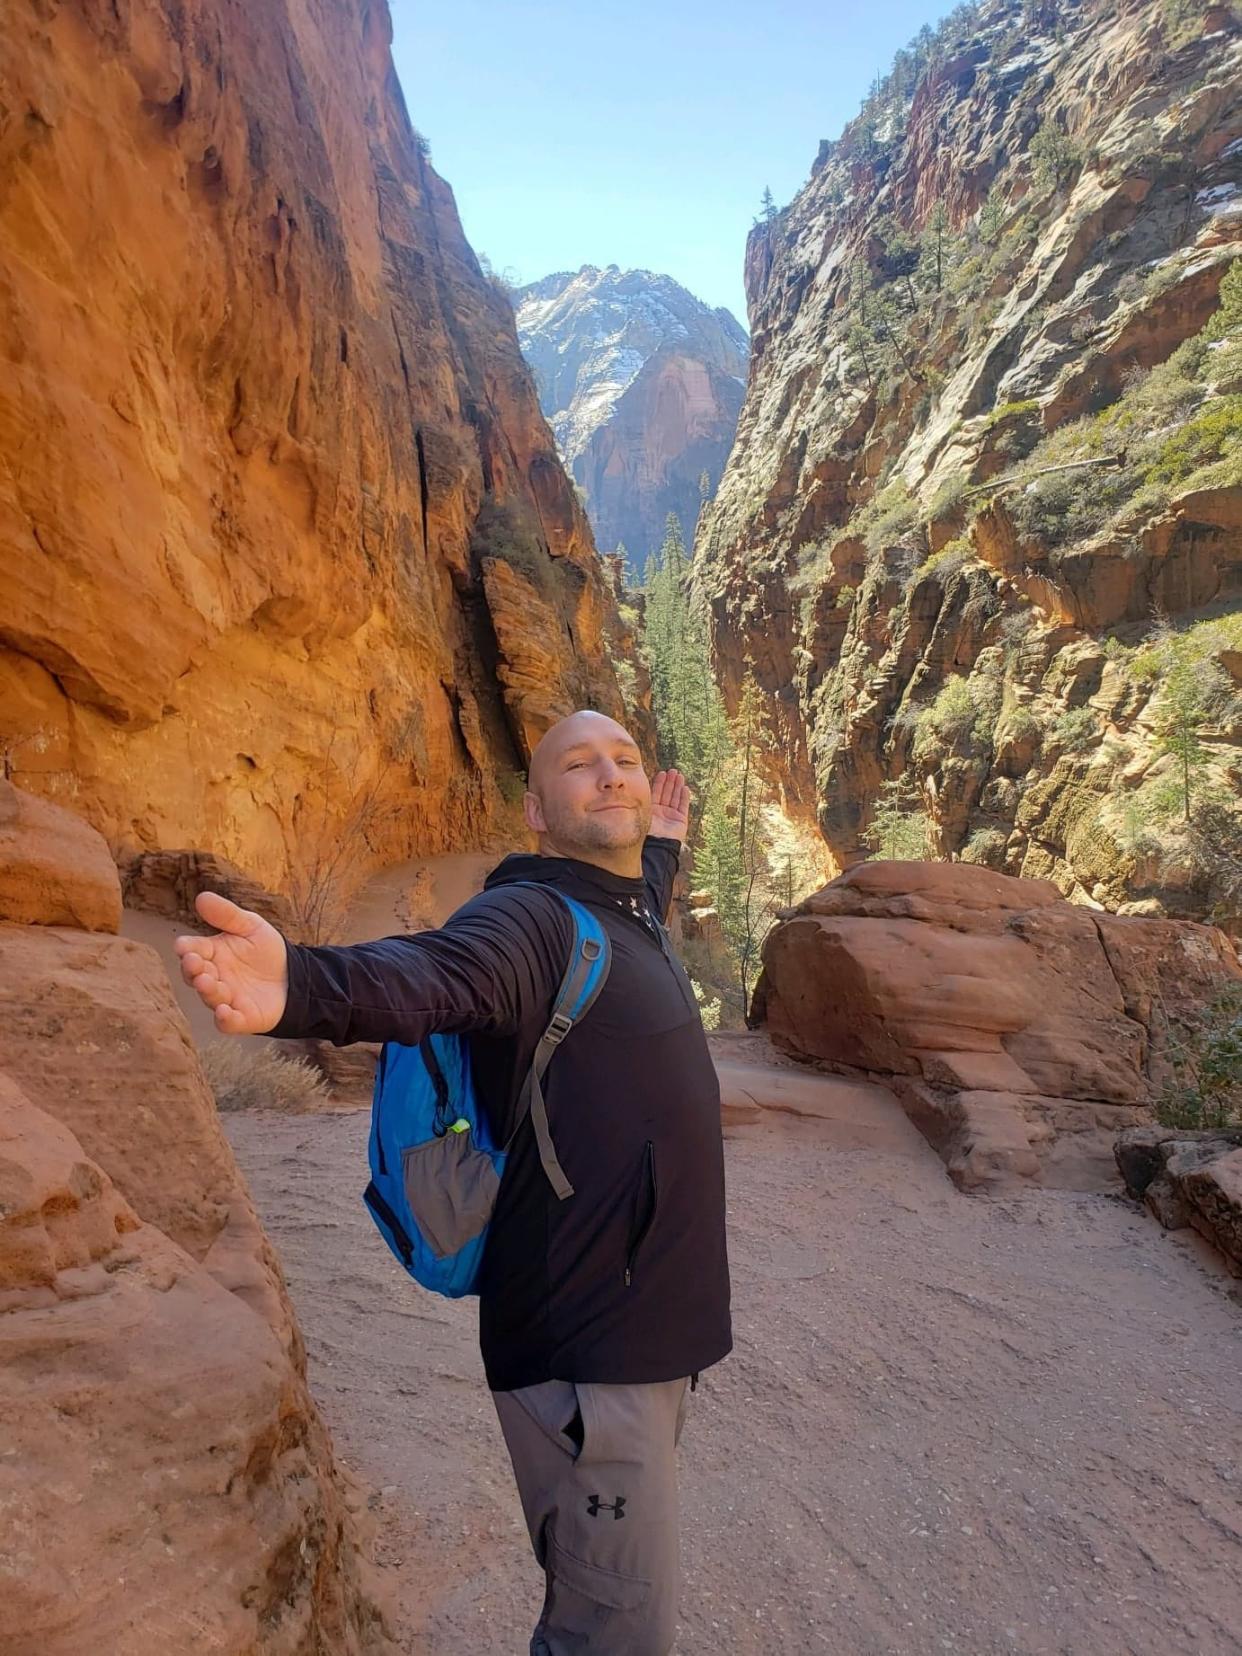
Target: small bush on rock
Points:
x,y
1206,1055
1076,730
986,847
952,714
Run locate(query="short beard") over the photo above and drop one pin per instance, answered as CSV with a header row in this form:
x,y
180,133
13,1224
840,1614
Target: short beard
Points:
x,y
599,832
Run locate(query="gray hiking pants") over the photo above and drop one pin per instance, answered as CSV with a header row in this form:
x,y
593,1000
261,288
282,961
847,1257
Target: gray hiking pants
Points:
x,y
596,1471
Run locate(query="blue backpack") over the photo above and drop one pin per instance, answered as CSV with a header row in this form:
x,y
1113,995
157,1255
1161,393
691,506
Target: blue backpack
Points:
x,y
435,1169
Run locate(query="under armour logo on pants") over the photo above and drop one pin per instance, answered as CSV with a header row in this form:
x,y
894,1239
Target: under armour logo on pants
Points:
x,y
595,1506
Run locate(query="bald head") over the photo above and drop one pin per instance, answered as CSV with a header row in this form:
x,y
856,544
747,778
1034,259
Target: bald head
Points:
x,y
588,794
576,729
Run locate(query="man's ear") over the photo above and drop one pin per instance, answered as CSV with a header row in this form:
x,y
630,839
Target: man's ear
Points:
x,y
532,811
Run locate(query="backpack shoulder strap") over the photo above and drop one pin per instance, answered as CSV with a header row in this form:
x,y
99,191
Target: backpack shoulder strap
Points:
x,y
584,977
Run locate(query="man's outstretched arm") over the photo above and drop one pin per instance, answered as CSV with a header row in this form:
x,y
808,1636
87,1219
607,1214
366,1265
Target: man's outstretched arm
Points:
x,y
495,961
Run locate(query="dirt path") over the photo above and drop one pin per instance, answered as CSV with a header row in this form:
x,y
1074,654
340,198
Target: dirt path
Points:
x,y
948,1424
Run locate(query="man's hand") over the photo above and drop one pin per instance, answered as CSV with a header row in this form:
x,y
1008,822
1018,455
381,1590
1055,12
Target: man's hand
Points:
x,y
241,972
670,805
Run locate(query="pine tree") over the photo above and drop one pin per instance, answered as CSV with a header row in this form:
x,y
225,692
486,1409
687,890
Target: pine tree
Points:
x,y
1192,693
690,718
1054,154
860,341
1181,713
731,860
898,828
936,243
767,206
992,216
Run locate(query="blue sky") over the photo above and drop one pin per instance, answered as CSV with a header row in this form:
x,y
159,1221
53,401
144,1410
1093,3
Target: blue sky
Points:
x,y
640,134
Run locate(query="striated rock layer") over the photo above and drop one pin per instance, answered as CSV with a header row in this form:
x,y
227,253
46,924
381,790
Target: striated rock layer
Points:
x,y
642,383
286,550
1020,1032
167,1482
991,271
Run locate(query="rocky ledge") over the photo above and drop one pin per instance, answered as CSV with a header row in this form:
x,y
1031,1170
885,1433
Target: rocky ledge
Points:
x,y
1189,1179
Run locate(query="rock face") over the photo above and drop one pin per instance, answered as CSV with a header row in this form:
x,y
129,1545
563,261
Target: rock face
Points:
x,y
990,276
642,383
51,873
1189,1179
281,524
167,1482
1019,1031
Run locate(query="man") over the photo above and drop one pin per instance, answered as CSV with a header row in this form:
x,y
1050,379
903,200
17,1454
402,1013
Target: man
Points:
x,y
597,1311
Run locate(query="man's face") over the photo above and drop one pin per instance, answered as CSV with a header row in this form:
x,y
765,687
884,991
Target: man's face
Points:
x,y
588,788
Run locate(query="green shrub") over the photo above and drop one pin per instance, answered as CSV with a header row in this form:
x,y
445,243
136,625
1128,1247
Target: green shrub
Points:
x,y
952,555
709,1010
1020,725
889,519
1076,730
1061,508
952,714
813,564
1165,428
1229,314
985,847
1011,411
1205,1052
949,497
1211,435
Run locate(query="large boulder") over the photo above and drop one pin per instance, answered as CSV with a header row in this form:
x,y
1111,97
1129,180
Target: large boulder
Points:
x,y
55,870
165,1480
1020,1032
93,1034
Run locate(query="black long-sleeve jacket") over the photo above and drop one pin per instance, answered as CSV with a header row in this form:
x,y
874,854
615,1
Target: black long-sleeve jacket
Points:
x,y
626,1280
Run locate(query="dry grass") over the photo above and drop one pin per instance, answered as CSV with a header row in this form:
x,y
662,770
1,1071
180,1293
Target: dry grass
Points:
x,y
247,1077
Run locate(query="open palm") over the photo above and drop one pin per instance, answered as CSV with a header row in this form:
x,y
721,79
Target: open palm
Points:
x,y
670,805
241,973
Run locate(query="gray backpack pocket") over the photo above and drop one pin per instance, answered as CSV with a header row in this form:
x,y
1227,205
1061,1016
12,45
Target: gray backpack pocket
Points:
x,y
451,1188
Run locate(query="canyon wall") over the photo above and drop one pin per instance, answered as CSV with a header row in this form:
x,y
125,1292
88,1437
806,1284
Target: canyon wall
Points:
x,y
643,385
1022,256
283,533
167,1481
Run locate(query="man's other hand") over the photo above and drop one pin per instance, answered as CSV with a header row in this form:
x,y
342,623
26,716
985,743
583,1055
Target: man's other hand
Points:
x,y
670,805
241,972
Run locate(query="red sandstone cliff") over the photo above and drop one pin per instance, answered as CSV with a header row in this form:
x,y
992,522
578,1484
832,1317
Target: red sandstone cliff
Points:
x,y
985,281
280,520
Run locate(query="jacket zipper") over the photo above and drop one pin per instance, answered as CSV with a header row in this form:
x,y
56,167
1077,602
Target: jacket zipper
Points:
x,y
685,993
379,1206
647,1187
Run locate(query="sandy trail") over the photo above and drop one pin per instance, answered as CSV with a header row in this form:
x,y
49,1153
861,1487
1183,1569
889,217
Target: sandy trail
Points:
x,y
948,1424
